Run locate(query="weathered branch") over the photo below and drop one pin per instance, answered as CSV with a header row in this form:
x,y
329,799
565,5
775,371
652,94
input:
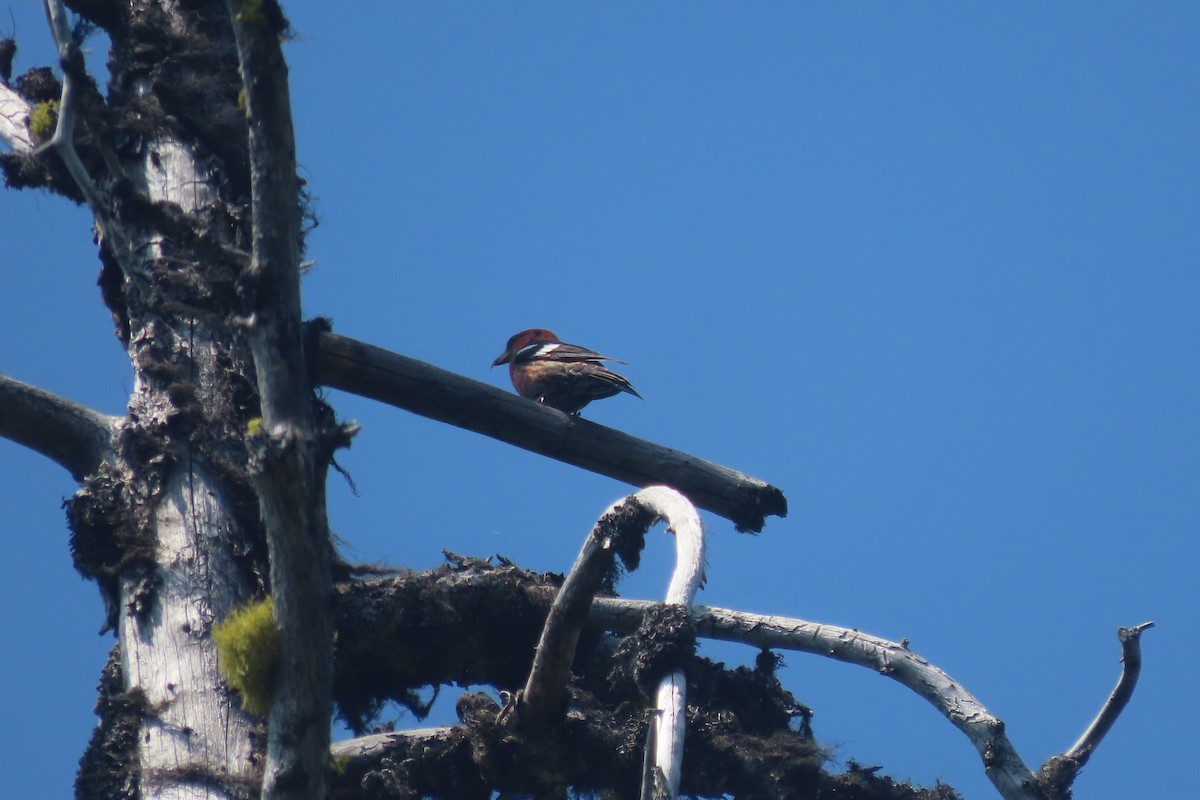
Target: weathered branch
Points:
x,y
1003,765
470,624
670,701
287,473
14,111
519,598
363,752
63,140
71,435
543,700
477,758
1060,771
1131,657
424,389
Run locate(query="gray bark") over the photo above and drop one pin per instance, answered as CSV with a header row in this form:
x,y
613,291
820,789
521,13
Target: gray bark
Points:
x,y
289,453
165,519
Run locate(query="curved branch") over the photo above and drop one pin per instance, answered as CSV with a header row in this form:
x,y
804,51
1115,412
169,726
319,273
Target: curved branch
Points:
x,y
424,389
682,520
1131,657
71,435
1060,772
63,140
670,700
543,699
1003,765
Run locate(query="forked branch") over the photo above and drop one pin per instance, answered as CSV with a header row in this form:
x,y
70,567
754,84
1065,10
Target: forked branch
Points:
x,y
622,525
1003,765
520,595
63,140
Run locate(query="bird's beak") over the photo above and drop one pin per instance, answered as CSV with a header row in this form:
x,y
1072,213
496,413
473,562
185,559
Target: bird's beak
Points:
x,y
502,359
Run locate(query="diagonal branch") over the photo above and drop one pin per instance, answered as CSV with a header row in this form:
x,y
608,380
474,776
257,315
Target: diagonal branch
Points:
x,y
621,527
1131,657
543,700
424,389
71,435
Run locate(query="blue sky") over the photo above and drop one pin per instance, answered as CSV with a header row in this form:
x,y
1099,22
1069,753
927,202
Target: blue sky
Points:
x,y
933,269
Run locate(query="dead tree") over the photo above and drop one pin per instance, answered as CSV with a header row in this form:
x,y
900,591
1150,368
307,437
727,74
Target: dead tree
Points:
x,y
209,493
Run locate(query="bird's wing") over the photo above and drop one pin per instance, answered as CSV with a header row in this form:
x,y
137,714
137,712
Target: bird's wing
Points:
x,y
560,351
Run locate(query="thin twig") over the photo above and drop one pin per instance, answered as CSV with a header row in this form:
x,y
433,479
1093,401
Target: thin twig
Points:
x,y
651,775
424,389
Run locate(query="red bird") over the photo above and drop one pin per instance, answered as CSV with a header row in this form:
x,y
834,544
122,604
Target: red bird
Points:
x,y
563,376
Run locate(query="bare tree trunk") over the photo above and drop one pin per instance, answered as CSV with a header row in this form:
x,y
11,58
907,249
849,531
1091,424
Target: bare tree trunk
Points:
x,y
194,740
178,453
169,523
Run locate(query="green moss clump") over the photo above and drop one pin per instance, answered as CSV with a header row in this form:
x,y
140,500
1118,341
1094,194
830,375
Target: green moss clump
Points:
x,y
43,119
250,12
248,653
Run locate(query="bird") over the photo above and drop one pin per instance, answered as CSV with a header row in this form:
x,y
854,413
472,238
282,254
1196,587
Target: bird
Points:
x,y
549,371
